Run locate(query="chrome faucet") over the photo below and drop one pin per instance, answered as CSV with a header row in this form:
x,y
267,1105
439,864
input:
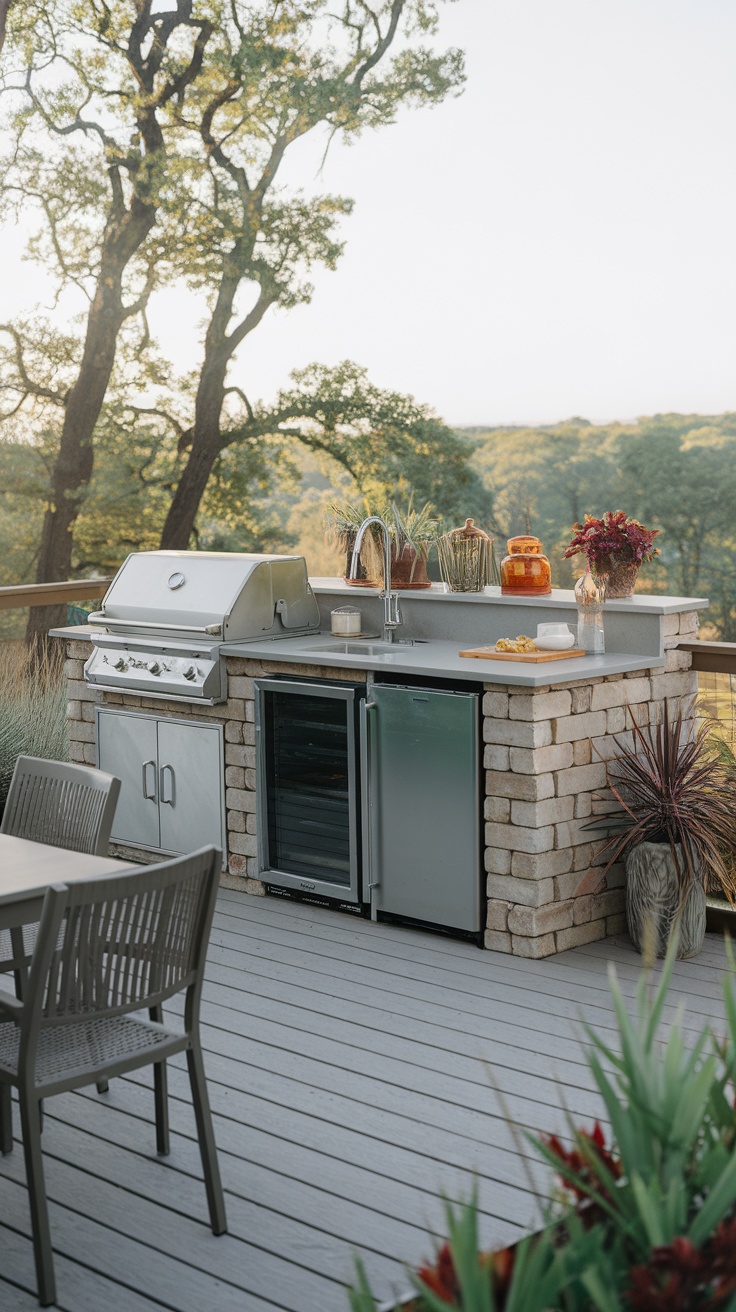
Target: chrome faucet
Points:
x,y
391,611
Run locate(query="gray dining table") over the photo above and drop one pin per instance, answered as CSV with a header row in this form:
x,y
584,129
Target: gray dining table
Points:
x,y
27,869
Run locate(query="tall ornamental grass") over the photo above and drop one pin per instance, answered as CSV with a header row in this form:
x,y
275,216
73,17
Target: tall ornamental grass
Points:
x,y
32,707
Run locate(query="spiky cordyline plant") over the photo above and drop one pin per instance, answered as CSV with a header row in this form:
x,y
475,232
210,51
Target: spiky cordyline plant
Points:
x,y
672,790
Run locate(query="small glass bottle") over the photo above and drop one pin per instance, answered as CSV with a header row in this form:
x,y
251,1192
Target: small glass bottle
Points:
x,y
590,594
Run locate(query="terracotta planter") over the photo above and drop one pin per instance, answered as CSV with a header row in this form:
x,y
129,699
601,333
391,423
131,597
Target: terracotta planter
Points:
x,y
652,900
620,575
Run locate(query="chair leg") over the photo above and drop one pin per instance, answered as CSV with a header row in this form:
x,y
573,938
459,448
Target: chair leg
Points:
x,y
30,1123
161,1095
6,1120
206,1136
103,1086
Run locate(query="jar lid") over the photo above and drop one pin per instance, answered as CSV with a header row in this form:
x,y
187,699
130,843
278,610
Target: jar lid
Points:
x,y
345,610
468,530
524,544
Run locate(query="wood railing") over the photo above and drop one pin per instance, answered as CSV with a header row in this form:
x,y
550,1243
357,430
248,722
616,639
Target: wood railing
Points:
x,y
712,657
49,594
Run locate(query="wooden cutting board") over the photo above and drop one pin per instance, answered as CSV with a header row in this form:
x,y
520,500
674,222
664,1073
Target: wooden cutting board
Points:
x,y
526,657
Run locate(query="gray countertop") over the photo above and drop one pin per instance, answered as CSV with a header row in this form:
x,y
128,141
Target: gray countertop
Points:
x,y
437,659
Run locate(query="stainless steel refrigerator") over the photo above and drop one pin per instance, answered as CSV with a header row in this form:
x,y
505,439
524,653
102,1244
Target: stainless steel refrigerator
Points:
x,y
421,805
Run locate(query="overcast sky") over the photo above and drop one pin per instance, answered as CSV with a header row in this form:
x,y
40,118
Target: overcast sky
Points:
x,y
560,240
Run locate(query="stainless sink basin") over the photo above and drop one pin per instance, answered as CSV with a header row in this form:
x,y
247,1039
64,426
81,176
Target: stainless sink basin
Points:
x,y
359,648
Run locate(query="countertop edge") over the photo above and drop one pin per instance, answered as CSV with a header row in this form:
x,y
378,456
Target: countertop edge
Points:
x,y
641,604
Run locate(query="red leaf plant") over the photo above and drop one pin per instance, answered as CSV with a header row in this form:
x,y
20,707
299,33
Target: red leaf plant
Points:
x,y
679,1277
613,535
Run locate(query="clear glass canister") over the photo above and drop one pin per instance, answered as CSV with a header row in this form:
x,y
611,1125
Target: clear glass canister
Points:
x,y
525,572
465,558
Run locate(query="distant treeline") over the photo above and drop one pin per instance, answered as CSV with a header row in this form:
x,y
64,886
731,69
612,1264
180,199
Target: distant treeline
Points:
x,y
673,472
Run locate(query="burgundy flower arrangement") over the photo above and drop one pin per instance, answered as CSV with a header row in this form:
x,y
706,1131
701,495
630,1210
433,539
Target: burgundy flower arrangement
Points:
x,y
613,535
615,548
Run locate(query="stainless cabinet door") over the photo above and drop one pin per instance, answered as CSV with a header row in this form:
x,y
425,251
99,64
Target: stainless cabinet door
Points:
x,y
190,774
425,803
127,746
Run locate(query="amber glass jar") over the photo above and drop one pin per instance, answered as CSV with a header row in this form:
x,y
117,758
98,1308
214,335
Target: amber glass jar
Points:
x,y
525,572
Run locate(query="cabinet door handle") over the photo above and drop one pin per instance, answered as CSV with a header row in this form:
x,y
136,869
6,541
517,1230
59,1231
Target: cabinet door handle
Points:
x,y
149,796
370,875
168,801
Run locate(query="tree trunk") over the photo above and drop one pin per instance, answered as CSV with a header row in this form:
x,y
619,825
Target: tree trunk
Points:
x,y
74,462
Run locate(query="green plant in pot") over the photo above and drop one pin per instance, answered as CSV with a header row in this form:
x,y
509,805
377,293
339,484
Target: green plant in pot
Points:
x,y
412,533
674,832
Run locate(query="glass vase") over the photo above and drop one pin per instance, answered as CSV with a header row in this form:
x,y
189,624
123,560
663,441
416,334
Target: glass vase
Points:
x,y
590,594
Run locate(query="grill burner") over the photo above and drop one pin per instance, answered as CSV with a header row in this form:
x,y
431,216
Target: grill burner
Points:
x,y
159,599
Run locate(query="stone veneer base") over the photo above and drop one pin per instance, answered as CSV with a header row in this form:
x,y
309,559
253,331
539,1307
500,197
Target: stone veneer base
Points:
x,y
544,752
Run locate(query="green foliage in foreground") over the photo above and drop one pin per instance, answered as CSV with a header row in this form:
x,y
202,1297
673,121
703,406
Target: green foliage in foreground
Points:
x,y
647,1225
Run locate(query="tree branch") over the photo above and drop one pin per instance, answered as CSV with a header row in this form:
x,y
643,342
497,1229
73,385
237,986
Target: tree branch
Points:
x,y
32,389
239,392
4,7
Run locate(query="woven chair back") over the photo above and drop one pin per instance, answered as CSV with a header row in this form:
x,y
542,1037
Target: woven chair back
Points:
x,y
123,942
64,805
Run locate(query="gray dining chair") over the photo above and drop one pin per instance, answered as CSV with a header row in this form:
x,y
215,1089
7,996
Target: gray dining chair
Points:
x,y
108,948
64,805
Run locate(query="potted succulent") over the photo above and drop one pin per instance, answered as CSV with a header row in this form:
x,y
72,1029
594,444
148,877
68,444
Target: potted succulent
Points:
x,y
675,829
646,1223
412,534
615,547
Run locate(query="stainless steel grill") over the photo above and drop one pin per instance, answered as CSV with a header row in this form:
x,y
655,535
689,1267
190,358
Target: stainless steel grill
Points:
x,y
166,615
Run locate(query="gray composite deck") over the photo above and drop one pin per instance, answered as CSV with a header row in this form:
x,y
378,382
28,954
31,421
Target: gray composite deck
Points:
x,y
356,1073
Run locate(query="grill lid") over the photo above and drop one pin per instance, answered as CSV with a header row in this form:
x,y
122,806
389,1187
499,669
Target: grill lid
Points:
x,y
230,596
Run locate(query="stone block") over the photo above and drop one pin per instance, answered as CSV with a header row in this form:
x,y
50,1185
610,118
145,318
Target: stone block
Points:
x,y
88,711
581,698
240,686
81,731
540,866
237,865
76,752
670,625
497,809
548,812
78,651
584,855
90,754
610,903
533,948
524,787
539,705
520,838
233,732
497,861
495,941
579,934
527,892
233,709
540,760
582,909
234,776
243,844
574,884
621,693
580,778
496,704
496,757
690,623
238,799
498,915
582,752
616,719
251,823
249,735
677,660
615,924
573,728
234,754
74,710
73,669
571,833
236,822
610,745
583,806
540,920
518,733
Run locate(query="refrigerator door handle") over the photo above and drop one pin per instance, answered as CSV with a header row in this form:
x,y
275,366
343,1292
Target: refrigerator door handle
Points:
x,y
367,808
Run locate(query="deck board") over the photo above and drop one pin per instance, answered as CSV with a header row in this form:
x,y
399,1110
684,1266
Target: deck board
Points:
x,y
356,1072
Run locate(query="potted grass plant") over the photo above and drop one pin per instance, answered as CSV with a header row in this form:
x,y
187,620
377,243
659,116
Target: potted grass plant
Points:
x,y
676,829
412,533
643,1223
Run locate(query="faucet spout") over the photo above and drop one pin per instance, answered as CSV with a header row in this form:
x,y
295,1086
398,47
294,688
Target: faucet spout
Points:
x,y
391,610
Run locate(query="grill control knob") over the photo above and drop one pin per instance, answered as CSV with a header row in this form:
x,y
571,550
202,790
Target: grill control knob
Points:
x,y
154,667
121,663
190,672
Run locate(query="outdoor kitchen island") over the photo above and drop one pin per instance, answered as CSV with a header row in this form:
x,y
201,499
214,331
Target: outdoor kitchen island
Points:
x,y
544,730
